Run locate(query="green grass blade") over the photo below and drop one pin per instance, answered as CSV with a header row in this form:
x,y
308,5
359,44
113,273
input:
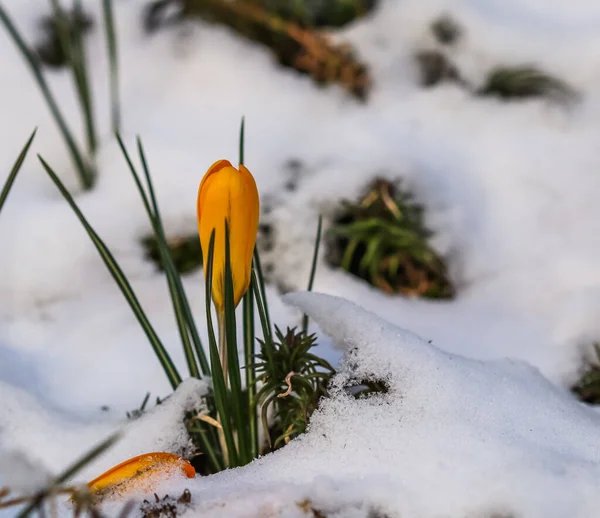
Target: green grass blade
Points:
x,y
79,66
87,458
171,272
86,173
122,282
168,261
267,335
15,170
242,133
262,291
185,305
313,268
233,365
218,377
249,343
73,469
207,447
62,28
71,41
249,353
111,43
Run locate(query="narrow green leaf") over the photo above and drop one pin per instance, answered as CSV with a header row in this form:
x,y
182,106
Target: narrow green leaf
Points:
x,y
371,253
266,329
71,41
15,170
219,386
313,268
170,269
79,66
95,452
72,470
262,291
349,254
249,341
233,364
111,43
165,256
207,447
242,140
122,282
86,174
173,279
249,353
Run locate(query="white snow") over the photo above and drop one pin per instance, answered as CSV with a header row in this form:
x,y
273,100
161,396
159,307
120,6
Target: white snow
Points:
x,y
452,437
510,190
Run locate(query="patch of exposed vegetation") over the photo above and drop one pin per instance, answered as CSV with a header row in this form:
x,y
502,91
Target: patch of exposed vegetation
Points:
x,y
295,44
293,382
587,388
185,251
382,239
520,82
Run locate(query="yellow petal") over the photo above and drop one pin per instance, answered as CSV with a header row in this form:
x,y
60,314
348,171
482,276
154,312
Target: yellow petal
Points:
x,y
141,472
228,194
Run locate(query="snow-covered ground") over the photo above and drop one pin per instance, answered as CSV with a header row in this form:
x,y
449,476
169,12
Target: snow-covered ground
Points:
x,y
511,192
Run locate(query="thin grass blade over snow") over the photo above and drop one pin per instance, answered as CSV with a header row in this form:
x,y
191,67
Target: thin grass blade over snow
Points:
x,y
113,59
15,170
38,501
121,280
313,268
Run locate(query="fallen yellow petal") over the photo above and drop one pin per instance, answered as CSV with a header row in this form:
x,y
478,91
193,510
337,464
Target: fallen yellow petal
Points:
x,y
139,472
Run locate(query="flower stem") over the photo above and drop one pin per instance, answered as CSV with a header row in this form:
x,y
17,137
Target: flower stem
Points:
x,y
223,360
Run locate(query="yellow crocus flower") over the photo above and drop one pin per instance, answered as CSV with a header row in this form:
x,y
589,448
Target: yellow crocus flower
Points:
x,y
227,193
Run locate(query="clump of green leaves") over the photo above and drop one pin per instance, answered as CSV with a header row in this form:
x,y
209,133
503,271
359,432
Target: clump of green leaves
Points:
x,y
51,50
525,81
382,239
587,388
293,379
185,251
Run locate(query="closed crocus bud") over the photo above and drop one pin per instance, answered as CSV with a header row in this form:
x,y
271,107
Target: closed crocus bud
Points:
x,y
227,193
